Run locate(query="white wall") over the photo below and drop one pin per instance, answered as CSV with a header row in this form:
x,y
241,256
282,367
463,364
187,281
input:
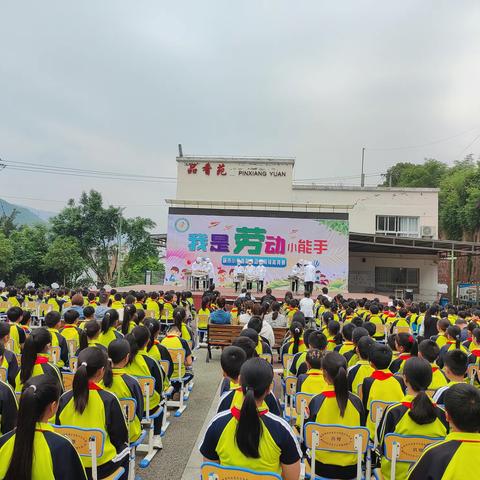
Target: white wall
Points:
x,y
362,273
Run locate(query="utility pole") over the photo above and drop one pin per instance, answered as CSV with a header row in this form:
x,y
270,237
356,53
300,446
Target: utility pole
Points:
x,y
362,176
452,259
119,249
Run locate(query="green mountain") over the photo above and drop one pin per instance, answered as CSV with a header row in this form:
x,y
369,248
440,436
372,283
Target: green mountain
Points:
x,y
24,215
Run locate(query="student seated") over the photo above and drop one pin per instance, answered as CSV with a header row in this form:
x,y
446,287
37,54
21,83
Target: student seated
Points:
x,y
406,346
362,369
441,338
264,329
117,381
109,331
415,415
457,456
130,319
334,337
71,331
33,451
8,402
456,365
220,316
36,358
314,340
312,381
261,345
53,322
89,337
17,334
248,435
155,349
428,349
453,343
352,356
381,384
88,405
347,343
336,406
9,360
295,344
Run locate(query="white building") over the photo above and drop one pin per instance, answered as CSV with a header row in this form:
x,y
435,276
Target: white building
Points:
x,y
393,231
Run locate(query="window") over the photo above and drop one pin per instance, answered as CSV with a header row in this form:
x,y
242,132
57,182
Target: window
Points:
x,y
388,279
397,226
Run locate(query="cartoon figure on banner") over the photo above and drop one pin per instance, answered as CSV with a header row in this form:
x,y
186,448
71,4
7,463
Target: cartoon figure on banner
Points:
x,y
173,276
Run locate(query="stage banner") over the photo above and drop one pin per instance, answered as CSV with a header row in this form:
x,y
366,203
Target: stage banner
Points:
x,y
280,242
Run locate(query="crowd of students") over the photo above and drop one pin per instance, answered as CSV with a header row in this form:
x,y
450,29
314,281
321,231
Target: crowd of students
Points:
x,y
348,354
106,341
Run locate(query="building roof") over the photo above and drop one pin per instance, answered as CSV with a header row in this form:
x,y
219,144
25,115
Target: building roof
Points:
x,y
354,188
233,159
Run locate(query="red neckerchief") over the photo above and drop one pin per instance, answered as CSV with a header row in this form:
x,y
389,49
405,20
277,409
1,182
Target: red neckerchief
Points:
x,y
450,342
404,356
434,369
236,412
313,374
475,353
25,328
156,342
407,404
329,393
93,386
379,375
69,326
41,360
331,341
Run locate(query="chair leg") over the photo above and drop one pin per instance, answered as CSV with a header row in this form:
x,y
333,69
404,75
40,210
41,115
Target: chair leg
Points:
x,y
165,422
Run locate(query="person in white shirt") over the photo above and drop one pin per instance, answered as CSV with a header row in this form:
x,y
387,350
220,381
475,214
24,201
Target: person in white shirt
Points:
x,y
295,275
306,307
309,277
250,274
266,331
325,294
260,272
238,271
211,272
198,270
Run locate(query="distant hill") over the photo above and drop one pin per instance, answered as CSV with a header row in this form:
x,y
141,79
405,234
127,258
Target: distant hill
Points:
x,y
25,216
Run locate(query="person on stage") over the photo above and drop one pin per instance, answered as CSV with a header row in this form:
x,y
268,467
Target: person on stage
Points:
x,y
309,277
238,273
250,274
260,272
294,274
211,272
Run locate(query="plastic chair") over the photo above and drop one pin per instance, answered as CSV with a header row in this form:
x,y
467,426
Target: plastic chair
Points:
x,y
129,407
290,388
55,352
68,380
73,364
472,372
88,442
3,374
267,356
335,438
302,401
72,345
214,471
178,356
149,313
10,345
165,364
405,448
147,384
381,329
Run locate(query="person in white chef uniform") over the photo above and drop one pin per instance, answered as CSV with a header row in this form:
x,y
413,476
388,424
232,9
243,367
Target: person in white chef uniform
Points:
x,y
238,275
210,272
309,277
198,272
261,272
250,274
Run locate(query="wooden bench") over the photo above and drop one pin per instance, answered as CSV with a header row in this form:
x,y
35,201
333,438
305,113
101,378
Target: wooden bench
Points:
x,y
223,336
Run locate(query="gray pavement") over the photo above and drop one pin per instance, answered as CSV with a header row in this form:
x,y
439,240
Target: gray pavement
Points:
x,y
180,439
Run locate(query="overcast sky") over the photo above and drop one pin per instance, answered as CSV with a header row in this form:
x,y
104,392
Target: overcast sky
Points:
x,y
116,85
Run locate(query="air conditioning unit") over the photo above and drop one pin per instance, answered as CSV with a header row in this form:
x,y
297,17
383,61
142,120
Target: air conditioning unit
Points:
x,y
426,231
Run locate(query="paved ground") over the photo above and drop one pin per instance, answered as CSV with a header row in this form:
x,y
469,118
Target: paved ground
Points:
x,y
181,437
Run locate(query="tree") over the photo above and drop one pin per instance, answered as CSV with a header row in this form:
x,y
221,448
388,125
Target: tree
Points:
x,y
64,259
6,256
7,222
426,175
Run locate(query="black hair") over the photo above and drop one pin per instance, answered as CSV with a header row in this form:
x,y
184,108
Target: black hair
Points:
x,y
138,339
14,313
117,351
4,329
35,343
475,333
453,331
251,334
358,333
370,327
256,376
408,342
443,324
231,360
296,330
347,331
38,394
364,345
306,335
374,309
299,317
380,355
462,403
25,318
429,350
179,316
52,318
357,321
334,366
129,314
153,327
109,320
70,316
456,361
88,311
256,323
314,358
90,330
333,328
318,340
90,361
418,373
247,345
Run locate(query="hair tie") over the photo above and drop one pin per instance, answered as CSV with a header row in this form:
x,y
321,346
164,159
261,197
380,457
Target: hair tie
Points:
x,y
411,339
34,387
84,364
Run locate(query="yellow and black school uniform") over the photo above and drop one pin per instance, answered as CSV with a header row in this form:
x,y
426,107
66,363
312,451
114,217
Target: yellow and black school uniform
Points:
x,y
54,457
357,374
289,347
440,339
126,386
277,446
139,306
117,305
399,322
449,345
377,320
171,342
324,409
396,419
11,364
299,364
71,332
352,358
311,382
8,408
154,307
187,334
439,379
234,396
17,334
59,341
381,385
158,352
452,459
331,344
397,365
439,397
166,314
107,338
42,366
56,304
103,411
345,347
13,301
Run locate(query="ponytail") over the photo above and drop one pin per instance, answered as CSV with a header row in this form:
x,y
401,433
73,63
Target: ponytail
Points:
x,y
335,366
296,331
179,316
39,392
90,331
109,319
128,314
453,331
117,351
35,343
422,410
138,339
256,377
90,361
153,327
